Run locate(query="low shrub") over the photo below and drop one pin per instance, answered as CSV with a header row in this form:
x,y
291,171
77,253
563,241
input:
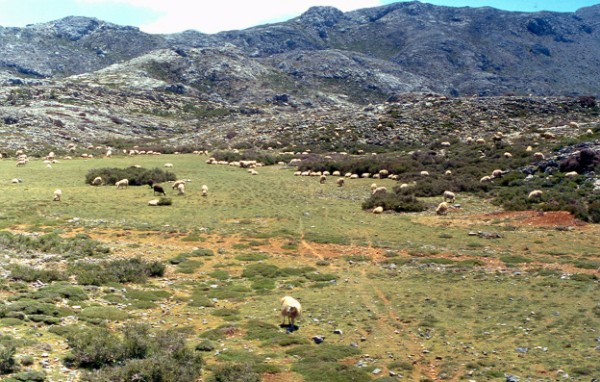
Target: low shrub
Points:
x,y
136,176
133,270
30,274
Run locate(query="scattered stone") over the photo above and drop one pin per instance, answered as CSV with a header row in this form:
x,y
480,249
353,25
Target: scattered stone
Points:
x,y
376,371
522,349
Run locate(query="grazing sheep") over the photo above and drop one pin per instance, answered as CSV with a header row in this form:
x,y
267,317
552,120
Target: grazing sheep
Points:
x,y
323,179
424,173
507,155
181,189
404,186
123,183
449,195
538,156
340,182
336,173
354,176
252,172
97,181
204,190
485,179
177,183
445,144
373,187
589,132
108,154
16,180
378,210
535,194
442,208
153,202
497,173
480,141
158,188
448,173
469,140
21,162
290,308
384,173
57,195
571,174
574,124
379,191
529,148
348,175
169,165
365,175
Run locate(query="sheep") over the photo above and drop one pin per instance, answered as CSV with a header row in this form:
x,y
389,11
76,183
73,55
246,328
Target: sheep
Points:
x,y
469,140
449,195
538,156
108,154
348,174
16,180
571,174
57,195
379,191
169,165
480,141
378,210
323,179
340,182
485,179
153,202
445,144
252,172
442,208
535,194
204,190
365,175
21,163
507,155
424,173
290,308
354,176
373,187
529,148
158,188
123,183
574,124
181,189
448,173
336,173
497,173
97,181
177,183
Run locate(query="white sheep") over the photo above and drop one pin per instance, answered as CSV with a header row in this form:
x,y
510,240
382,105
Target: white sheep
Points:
x,y
424,173
340,182
507,155
290,308
379,191
373,187
57,195
16,180
448,173
123,183
535,194
442,208
252,172
449,195
378,210
497,173
485,179
169,165
204,190
538,156
97,181
571,174
181,189
480,141
177,183
336,173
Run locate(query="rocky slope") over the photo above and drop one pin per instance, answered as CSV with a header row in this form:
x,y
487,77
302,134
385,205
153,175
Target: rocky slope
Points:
x,y
373,52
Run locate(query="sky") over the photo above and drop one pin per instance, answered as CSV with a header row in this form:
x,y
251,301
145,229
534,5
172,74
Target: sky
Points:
x,y
211,16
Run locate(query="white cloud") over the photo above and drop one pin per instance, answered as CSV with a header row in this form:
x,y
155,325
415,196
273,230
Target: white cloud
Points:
x,y
214,16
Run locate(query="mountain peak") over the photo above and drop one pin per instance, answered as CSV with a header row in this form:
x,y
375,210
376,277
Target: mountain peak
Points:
x,y
322,16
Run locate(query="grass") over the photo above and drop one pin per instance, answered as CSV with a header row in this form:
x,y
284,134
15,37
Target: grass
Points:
x,y
394,284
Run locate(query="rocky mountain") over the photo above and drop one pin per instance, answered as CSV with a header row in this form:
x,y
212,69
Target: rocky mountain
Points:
x,y
319,79
368,54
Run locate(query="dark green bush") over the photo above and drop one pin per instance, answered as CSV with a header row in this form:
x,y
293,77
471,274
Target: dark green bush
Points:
x,y
78,246
132,270
7,358
30,274
392,201
235,373
136,176
27,376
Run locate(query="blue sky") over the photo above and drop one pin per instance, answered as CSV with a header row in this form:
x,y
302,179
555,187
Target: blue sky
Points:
x,y
169,16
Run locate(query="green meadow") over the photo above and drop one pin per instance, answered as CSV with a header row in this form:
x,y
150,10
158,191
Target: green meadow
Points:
x,y
408,297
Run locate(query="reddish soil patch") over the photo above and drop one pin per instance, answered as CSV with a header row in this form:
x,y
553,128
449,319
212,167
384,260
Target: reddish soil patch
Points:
x,y
536,218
